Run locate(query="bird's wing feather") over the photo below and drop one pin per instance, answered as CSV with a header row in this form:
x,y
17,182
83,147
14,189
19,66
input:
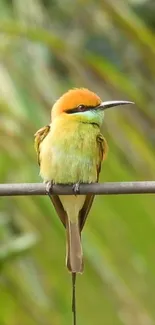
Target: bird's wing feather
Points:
x,y
103,149
40,135
59,208
85,210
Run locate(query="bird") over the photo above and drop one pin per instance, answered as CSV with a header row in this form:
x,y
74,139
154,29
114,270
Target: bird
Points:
x,y
71,150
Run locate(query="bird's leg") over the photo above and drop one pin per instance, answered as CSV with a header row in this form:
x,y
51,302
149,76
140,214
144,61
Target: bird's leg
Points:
x,y
76,188
49,187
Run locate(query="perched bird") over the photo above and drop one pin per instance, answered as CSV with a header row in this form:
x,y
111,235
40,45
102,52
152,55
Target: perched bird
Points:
x,y
70,151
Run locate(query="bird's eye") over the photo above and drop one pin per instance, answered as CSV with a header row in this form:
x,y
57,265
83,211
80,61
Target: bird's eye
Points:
x,y
81,108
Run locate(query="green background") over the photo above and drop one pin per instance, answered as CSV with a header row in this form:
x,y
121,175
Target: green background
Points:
x,y
47,47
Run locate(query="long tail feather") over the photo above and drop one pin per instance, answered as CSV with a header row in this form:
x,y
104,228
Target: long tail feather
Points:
x,y
74,298
74,255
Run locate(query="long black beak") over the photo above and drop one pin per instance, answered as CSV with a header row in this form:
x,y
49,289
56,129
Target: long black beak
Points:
x,y
112,103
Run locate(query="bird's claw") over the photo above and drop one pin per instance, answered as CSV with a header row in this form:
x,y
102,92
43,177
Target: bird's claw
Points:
x,y
76,188
49,187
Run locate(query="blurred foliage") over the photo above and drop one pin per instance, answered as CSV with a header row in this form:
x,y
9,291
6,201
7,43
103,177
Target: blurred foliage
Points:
x,y
47,47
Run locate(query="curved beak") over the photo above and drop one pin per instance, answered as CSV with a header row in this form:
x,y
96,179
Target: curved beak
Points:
x,y
112,103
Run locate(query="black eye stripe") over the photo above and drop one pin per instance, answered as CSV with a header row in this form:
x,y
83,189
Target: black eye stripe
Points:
x,y
81,108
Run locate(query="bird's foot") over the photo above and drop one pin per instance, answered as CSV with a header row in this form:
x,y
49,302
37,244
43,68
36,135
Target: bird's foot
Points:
x,y
76,188
49,187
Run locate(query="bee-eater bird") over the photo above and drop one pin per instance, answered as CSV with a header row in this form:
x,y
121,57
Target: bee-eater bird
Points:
x,y
70,151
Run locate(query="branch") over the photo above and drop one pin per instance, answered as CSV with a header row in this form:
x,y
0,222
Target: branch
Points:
x,y
95,188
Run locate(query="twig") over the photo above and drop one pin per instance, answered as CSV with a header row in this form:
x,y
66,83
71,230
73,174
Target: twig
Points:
x,y
96,188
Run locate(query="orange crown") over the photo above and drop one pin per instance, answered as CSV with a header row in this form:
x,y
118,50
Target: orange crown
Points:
x,y
73,98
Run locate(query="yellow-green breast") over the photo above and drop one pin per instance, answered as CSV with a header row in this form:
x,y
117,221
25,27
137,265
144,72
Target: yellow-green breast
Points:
x,y
69,153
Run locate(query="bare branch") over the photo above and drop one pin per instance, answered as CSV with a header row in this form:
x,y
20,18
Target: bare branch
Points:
x,y
96,188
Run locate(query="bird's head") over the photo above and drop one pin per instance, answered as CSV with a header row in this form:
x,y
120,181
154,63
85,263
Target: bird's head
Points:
x,y
83,105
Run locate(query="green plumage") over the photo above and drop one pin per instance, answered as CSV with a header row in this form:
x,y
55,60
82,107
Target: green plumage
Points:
x,y
70,151
74,155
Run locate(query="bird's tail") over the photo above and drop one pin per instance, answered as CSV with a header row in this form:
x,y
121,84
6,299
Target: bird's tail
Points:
x,y
74,255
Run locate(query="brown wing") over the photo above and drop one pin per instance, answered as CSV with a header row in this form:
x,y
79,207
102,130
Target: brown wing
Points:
x,y
59,208
39,137
103,149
